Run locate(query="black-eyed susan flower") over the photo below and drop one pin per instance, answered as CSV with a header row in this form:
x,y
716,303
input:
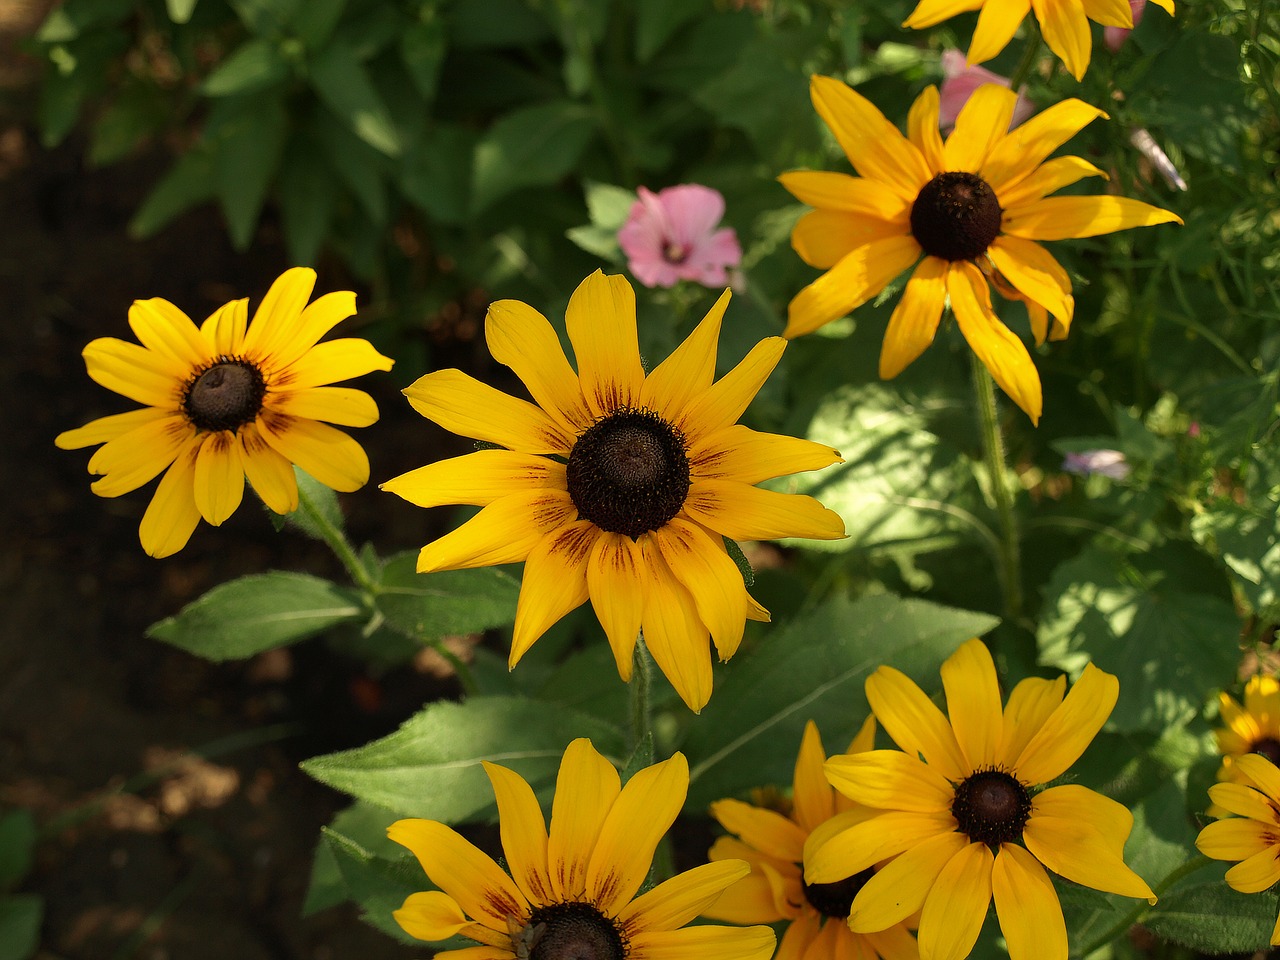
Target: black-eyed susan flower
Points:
x,y
1064,23
1252,836
773,840
229,400
616,485
964,213
571,892
960,813
1251,727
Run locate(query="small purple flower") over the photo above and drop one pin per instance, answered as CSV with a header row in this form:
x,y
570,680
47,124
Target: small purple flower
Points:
x,y
1105,463
671,235
959,81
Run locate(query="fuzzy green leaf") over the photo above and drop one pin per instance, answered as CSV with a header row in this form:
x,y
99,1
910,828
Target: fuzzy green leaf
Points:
x,y
428,606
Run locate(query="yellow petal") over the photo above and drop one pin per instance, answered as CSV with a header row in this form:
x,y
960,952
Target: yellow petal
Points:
x,y
915,319
811,794
675,902
749,900
704,568
741,512
430,915
822,238
922,129
330,362
930,12
868,842
766,830
108,428
858,277
1066,31
340,405
171,516
839,191
890,780
464,872
477,478
279,315
1045,179
1061,218
503,532
555,582
1022,152
1080,852
1262,772
957,905
523,832
997,23
1255,874
1110,13
219,478
1030,704
601,319
164,329
1234,839
724,401
139,456
523,339
676,636
465,406
896,943
981,124
618,588
899,888
800,936
637,821
586,789
481,952
270,474
1243,801
973,702
742,454
1262,700
914,723
875,147
1000,351
225,328
323,451
1035,273
1070,728
689,370
135,372
1070,800
705,942
317,319
1027,907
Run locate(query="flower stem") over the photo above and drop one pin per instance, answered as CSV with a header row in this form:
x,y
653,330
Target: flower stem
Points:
x,y
641,709
337,542
1134,915
1029,56
1009,569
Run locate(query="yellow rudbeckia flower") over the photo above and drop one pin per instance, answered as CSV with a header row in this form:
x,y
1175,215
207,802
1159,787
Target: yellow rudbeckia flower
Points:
x,y
959,812
1064,23
228,400
616,485
964,212
571,893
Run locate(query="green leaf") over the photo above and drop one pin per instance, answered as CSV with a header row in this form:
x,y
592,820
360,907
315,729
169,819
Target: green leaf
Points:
x,y
362,823
813,669
254,65
306,190
436,174
266,16
341,82
1246,536
529,147
180,10
657,21
358,164
60,98
17,843
189,181
422,49
249,142
243,617
430,767
323,503
1203,913
434,605
315,21
378,884
137,111
1149,621
20,919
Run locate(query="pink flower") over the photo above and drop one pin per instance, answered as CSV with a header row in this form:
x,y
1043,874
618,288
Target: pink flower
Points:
x,y
960,80
1114,37
1105,463
671,235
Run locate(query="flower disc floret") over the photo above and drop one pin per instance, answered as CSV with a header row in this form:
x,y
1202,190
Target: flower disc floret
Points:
x,y
834,899
573,931
956,216
226,396
991,807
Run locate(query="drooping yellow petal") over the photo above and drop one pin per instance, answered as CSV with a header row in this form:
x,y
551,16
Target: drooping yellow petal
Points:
x,y
330,362
1051,175
742,512
1070,728
477,478
705,942
601,319
219,477
678,639
839,191
586,788
914,722
678,900
135,372
915,319
742,454
323,451
922,130
1110,13
1255,874
503,532
823,238
724,401
317,319
1035,273
997,23
523,339
973,703
341,405
1061,218
523,832
430,915
705,569
1030,704
171,516
688,370
618,587
637,821
1234,839
1020,153
899,888
555,582
766,830
465,406
858,277
1000,351
139,456
982,123
279,316
462,870
225,328
1080,852
105,429
811,794
270,474
868,842
930,12
1027,907
165,330
957,904
890,780
1066,31
875,147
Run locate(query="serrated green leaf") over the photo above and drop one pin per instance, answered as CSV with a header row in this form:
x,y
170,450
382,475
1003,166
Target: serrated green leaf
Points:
x,y
20,919
428,606
813,669
531,146
189,181
1203,913
430,767
254,65
260,612
17,843
340,80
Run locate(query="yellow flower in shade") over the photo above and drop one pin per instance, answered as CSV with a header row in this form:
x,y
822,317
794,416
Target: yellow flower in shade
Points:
x,y
229,400
1252,836
963,213
1064,23
773,842
960,813
571,893
616,486
1251,728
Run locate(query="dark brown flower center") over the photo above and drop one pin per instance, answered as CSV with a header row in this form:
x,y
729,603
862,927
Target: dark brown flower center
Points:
x,y
956,216
1269,747
992,807
570,931
836,898
629,473
226,396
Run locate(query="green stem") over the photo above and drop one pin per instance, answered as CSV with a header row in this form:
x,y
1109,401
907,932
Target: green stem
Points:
x,y
641,708
1132,917
1010,567
337,542
1028,61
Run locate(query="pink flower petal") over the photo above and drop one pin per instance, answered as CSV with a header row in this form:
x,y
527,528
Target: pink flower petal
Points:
x,y
960,81
671,235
